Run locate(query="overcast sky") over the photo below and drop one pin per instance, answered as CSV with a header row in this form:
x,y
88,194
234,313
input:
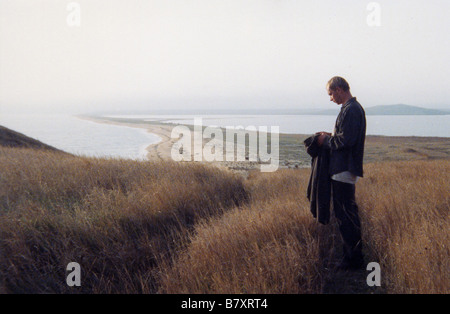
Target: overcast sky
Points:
x,y
86,55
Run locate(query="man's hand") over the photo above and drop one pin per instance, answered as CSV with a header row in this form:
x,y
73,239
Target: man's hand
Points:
x,y
322,137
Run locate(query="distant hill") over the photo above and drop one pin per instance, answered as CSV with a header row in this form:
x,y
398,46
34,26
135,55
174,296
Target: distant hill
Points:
x,y
403,110
10,138
391,110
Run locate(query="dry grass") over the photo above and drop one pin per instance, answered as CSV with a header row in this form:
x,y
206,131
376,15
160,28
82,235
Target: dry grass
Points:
x,y
142,227
268,246
273,246
116,218
405,209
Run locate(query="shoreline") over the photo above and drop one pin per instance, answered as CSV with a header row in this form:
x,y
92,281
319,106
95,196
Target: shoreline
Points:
x,y
162,149
155,151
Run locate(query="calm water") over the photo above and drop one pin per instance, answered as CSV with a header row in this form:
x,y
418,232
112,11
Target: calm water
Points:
x,y
306,124
82,137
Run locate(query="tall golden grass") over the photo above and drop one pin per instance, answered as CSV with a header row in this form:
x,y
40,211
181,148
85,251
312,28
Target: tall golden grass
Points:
x,y
405,211
166,227
116,218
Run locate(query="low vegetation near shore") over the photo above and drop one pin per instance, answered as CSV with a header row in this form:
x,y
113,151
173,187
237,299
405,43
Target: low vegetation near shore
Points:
x,y
166,227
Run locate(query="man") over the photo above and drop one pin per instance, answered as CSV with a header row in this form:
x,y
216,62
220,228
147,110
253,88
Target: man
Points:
x,y
346,146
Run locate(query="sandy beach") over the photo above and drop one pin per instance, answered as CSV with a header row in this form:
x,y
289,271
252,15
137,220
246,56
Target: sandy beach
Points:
x,y
157,151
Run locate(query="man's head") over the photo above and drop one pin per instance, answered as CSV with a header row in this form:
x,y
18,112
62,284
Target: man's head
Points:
x,y
338,90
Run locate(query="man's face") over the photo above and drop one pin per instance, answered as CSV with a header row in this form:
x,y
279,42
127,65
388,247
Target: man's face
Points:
x,y
336,95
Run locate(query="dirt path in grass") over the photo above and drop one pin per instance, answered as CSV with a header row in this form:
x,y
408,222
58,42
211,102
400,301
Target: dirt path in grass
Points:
x,y
349,282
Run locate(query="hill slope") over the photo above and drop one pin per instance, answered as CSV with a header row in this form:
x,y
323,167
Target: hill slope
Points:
x,y
10,138
167,227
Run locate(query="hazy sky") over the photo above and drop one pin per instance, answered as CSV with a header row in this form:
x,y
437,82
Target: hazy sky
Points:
x,y
220,54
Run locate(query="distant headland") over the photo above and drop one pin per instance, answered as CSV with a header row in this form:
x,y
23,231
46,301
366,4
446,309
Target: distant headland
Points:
x,y
399,109
404,110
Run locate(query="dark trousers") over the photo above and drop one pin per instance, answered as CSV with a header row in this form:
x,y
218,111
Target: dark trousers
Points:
x,y
346,212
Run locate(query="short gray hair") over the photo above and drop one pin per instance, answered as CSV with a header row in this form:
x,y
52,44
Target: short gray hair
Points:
x,y
336,82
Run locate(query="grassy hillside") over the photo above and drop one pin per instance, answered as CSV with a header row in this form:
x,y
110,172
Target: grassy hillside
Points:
x,y
10,138
165,227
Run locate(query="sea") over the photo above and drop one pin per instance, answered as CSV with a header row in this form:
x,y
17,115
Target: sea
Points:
x,y
83,137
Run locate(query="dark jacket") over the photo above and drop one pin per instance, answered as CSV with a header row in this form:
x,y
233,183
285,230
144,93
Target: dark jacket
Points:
x,y
347,144
319,186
